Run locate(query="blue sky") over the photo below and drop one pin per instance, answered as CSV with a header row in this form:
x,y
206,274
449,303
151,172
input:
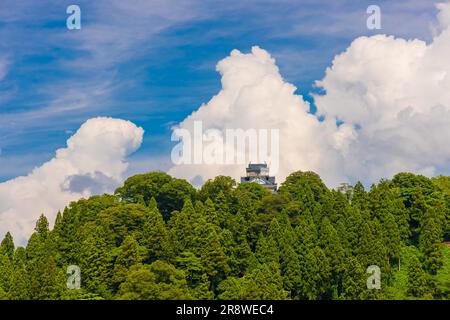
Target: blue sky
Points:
x,y
153,62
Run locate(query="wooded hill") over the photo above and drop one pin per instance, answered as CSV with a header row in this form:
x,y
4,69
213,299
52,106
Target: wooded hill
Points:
x,y
158,237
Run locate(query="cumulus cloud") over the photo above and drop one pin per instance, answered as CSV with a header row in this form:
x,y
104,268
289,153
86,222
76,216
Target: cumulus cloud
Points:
x,y
395,94
390,97
255,96
443,15
92,162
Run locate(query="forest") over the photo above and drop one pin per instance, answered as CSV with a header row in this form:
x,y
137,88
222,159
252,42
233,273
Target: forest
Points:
x,y
159,238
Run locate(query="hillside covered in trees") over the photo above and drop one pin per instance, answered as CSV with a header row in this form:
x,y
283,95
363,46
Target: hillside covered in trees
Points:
x,y
158,237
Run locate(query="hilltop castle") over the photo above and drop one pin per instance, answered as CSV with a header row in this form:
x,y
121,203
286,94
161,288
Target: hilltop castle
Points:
x,y
259,173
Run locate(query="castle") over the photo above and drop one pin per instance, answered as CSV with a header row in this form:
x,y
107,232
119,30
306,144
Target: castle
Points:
x,y
259,173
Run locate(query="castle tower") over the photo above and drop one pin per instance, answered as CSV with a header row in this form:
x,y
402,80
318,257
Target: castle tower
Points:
x,y
259,173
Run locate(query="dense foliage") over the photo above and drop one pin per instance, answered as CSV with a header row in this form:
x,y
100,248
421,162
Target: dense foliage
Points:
x,y
159,238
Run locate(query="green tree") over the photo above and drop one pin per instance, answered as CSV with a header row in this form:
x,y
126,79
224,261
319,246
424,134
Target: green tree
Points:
x,y
354,280
20,285
214,260
96,264
267,250
156,237
143,187
181,228
430,243
314,282
417,278
172,196
212,188
263,283
6,273
297,183
331,244
119,221
7,245
129,255
158,281
290,271
42,226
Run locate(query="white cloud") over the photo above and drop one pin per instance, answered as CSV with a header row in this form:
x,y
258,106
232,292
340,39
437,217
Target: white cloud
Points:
x,y
255,96
391,94
443,15
93,161
397,93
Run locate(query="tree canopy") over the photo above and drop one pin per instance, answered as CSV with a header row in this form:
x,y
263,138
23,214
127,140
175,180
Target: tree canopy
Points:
x,y
158,237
